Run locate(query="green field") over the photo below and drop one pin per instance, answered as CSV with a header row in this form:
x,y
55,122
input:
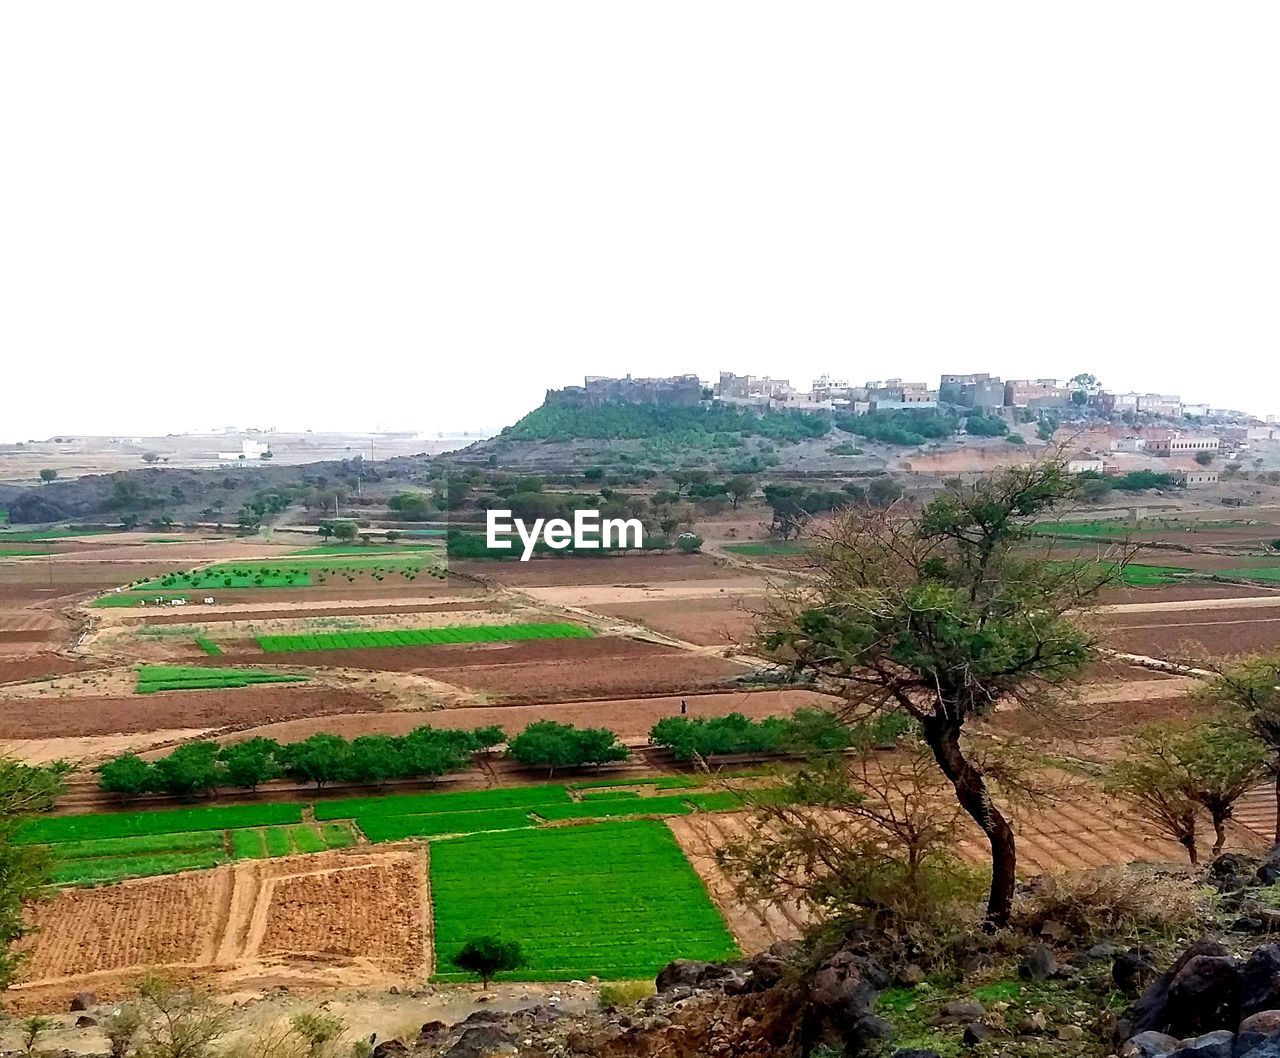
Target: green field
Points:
x,y
617,900
413,637
1268,573
437,803
24,535
299,572
766,550
118,868
22,552
59,829
1140,575
208,646
153,678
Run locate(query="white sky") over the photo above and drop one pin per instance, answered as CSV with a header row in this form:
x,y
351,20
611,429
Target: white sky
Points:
x,y
421,215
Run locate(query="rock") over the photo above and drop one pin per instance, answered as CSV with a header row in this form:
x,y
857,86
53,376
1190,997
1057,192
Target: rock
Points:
x,y
1260,981
1205,995
910,975
1219,1044
482,1041
840,986
83,1001
867,1029
1133,970
1069,1033
1255,1029
1038,964
692,974
1033,1024
959,1010
976,1032
1053,931
391,1049
431,1031
84,1021
1269,1047
1232,871
1249,924
1152,1009
1269,872
762,972
915,1052
1149,1044
1104,950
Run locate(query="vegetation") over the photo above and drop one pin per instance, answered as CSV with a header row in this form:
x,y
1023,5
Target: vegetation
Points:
x,y
24,791
486,956
153,678
551,745
689,426
903,428
412,637
805,731
941,616
555,892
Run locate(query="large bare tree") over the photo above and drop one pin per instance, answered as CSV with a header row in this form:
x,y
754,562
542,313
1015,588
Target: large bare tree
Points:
x,y
943,614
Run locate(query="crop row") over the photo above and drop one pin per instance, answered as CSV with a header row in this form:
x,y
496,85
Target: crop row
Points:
x,y
153,678
423,637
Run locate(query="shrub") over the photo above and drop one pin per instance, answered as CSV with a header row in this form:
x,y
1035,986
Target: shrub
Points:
x,y
486,956
624,993
1108,902
551,745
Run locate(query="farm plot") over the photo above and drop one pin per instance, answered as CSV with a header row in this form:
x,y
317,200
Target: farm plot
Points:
x,y
153,678
269,842
617,900
720,620
412,637
56,830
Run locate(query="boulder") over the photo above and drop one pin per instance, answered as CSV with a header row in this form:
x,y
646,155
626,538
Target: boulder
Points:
x,y
976,1032
1260,981
910,975
1038,964
1218,1044
959,1010
1151,1010
482,1041
1204,995
84,1021
763,971
1255,1029
693,974
1149,1044
83,1001
391,1049
868,1036
431,1031
840,985
1133,970
1268,1048
1269,872
915,1052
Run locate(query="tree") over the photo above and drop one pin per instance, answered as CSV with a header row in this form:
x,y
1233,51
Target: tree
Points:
x,y
24,791
942,616
739,487
1170,771
883,491
319,759
150,457
1251,687
551,745
47,475
32,1029
129,776
486,956
1046,428
1204,458
246,765
190,769
1079,398
175,1023
345,531
689,543
789,514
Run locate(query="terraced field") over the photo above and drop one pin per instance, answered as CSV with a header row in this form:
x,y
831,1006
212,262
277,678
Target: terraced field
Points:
x,y
413,637
153,678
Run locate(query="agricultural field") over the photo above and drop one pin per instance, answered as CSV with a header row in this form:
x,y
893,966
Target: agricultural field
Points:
x,y
614,900
153,678
414,637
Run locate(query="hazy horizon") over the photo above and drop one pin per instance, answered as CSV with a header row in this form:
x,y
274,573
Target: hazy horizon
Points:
x,y
421,218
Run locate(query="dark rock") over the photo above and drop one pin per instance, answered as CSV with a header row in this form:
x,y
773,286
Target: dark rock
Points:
x,y
1218,1044
1232,871
1249,924
391,1049
1204,995
764,971
1269,872
1260,981
869,1033
1152,1009
959,1010
915,1052
840,985
431,1031
1038,964
910,975
84,1021
1104,950
482,1041
83,1001
1133,970
1149,1044
976,1032
1255,1029
483,1017
1053,931
1268,1048
693,974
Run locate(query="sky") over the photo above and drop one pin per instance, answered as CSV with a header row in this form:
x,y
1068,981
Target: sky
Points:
x,y
413,215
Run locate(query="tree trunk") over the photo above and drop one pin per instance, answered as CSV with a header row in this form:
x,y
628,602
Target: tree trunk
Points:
x,y
1276,837
943,738
1220,836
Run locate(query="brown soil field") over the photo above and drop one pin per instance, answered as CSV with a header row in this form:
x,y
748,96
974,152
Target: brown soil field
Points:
x,y
350,912
1093,720
1192,634
41,717
721,620
623,569
39,665
348,918
631,718
1192,590
670,672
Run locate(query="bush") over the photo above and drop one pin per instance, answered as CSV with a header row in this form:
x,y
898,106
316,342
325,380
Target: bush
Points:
x,y
551,745
1109,902
486,956
624,993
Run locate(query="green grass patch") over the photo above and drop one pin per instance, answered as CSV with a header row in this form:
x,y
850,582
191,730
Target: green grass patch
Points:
x,y
117,868
248,845
26,535
306,838
278,840
435,803
617,806
152,678
1266,573
140,845
58,829
765,550
396,828
413,637
617,900
209,646
661,782
337,835
23,552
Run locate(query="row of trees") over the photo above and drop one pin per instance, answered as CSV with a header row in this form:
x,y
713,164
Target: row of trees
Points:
x,y
203,768
806,731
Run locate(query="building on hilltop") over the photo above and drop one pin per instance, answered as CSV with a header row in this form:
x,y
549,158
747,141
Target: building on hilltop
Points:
x,y
1037,393
980,391
895,395
1183,444
597,389
755,390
